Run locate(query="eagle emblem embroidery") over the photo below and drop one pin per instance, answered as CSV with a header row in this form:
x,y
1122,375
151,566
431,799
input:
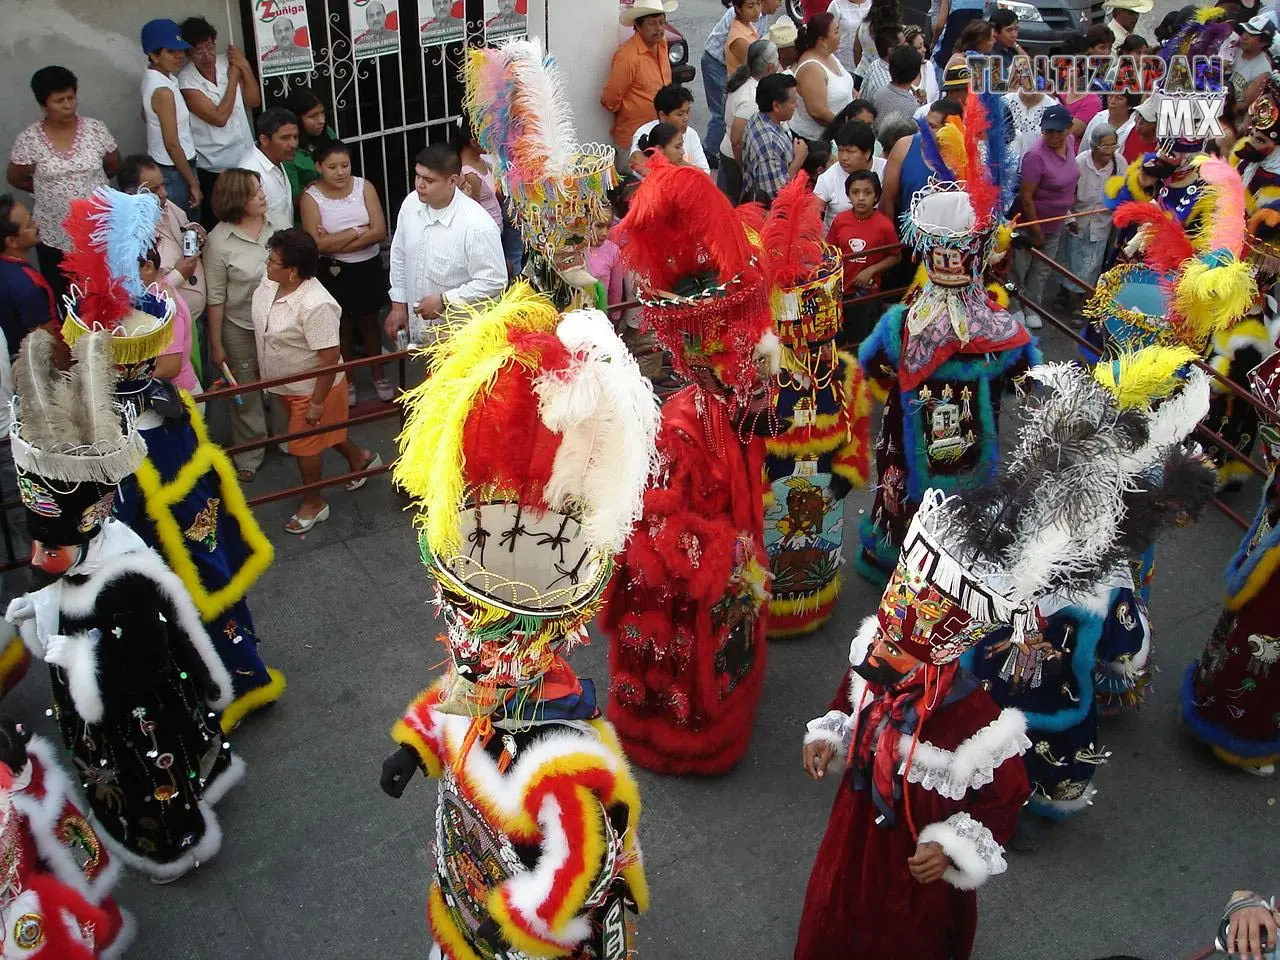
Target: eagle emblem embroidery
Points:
x,y
204,528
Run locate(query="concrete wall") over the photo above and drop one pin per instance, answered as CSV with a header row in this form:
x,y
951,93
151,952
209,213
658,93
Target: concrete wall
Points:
x,y
98,41
582,36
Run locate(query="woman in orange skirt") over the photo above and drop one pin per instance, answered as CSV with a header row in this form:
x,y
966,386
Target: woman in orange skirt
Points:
x,y
296,323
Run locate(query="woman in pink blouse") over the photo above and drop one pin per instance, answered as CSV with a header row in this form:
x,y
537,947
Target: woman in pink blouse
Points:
x,y
57,159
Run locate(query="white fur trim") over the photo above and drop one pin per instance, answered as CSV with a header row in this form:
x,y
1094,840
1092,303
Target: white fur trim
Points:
x,y
124,939
503,794
834,728
972,764
78,600
859,647
229,777
82,675
43,813
204,849
974,854
528,890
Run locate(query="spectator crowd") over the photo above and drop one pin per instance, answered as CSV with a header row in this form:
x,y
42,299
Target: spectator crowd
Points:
x,y
283,259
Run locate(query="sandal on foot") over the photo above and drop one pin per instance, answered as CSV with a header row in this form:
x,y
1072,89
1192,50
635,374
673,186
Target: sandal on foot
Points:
x,y
299,524
246,476
374,461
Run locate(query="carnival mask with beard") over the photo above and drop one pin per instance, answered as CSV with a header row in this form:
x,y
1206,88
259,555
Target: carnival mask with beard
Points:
x,y
1256,149
880,673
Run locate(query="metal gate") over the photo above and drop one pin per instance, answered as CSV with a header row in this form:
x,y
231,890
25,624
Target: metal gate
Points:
x,y
386,107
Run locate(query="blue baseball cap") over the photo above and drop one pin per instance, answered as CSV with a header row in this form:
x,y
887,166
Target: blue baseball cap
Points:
x,y
1057,117
162,35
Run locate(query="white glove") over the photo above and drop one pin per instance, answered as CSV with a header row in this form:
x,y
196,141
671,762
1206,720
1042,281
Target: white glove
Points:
x,y
58,650
20,609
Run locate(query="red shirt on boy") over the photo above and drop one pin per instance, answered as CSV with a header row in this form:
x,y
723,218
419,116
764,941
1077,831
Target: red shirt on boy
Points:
x,y
852,235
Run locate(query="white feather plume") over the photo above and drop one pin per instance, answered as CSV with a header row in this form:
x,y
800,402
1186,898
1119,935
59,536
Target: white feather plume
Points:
x,y
606,412
543,105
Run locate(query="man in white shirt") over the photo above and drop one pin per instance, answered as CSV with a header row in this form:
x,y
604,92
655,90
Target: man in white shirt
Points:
x,y
277,142
216,89
674,105
856,143
446,250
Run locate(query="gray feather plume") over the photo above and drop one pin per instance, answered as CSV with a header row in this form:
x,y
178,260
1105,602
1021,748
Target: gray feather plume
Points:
x,y
93,386
46,421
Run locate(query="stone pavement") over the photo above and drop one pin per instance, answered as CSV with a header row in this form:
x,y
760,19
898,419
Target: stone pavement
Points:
x,y
318,864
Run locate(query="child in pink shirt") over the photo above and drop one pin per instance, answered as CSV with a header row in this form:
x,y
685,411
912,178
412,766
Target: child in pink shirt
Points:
x,y
604,261
174,364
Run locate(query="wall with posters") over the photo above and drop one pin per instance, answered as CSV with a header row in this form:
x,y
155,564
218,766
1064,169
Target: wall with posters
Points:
x,y
585,64
98,41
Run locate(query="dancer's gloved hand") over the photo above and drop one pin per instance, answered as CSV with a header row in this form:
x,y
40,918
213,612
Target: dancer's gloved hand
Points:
x,y
397,771
20,609
840,487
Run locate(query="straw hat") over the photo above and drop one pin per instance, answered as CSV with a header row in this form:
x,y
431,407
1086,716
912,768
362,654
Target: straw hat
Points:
x,y
1137,6
783,33
646,8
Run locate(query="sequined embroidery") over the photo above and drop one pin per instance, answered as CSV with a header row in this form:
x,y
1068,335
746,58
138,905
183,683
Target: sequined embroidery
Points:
x,y
204,529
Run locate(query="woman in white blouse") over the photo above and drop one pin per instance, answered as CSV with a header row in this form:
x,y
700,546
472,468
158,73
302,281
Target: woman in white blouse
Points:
x,y
825,86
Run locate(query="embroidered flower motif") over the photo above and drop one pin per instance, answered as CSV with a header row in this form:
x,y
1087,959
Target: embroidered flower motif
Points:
x,y
204,528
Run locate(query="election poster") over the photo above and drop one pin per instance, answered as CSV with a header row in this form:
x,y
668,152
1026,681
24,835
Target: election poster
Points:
x,y
284,41
441,21
375,27
504,19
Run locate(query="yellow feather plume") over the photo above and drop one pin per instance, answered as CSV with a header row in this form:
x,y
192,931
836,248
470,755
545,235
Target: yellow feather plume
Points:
x,y
1003,237
1209,14
1139,378
999,294
464,364
918,281
1213,298
950,140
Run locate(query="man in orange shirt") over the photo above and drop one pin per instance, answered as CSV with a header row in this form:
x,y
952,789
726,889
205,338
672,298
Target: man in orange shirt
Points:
x,y
640,69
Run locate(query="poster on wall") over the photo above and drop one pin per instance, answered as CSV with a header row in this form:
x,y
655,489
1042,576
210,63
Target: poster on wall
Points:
x,y
441,21
284,42
504,19
375,26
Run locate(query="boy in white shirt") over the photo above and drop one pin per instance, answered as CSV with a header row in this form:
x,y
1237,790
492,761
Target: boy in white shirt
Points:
x,y
856,142
674,105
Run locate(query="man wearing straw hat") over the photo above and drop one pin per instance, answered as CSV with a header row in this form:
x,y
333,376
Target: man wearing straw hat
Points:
x,y
1124,18
641,67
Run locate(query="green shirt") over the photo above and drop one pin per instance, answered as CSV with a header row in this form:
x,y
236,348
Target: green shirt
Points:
x,y
301,170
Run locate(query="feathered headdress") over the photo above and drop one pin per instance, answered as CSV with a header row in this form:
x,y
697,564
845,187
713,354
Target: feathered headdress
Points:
x,y
806,271
72,443
536,427
111,233
519,111
704,280
1095,477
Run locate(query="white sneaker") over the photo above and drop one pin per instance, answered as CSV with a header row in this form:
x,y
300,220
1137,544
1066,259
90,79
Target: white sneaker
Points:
x,y
1031,320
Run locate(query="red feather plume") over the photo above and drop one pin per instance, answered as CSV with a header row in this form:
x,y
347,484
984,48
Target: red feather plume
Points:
x,y
1169,246
792,234
103,300
983,194
680,224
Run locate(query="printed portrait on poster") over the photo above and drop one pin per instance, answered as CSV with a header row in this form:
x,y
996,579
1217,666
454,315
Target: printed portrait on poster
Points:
x,y
375,27
441,21
283,38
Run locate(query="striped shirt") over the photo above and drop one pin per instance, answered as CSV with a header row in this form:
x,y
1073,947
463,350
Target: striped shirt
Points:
x,y
767,153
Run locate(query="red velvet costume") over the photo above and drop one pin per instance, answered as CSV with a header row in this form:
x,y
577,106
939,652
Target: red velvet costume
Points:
x,y
63,874
862,901
685,608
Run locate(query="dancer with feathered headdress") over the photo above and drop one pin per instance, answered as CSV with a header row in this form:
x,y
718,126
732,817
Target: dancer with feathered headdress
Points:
x,y
822,450
136,680
947,356
527,451
934,778
685,613
184,500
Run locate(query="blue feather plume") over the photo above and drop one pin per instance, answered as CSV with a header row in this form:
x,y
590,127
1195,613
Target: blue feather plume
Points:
x,y
931,155
1001,160
124,230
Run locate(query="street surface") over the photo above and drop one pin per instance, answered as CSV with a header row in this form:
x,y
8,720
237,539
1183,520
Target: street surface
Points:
x,y
317,864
